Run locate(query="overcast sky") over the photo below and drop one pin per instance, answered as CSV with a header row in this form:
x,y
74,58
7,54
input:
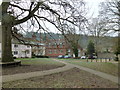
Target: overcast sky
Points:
x,y
93,10
93,5
0,1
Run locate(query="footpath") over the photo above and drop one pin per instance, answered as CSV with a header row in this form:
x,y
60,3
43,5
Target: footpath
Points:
x,y
6,78
68,66
98,73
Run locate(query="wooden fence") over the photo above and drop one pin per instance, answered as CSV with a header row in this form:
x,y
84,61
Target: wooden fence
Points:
x,y
99,60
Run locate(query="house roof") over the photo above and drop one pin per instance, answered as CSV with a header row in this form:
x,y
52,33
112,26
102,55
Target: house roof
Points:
x,y
26,40
43,36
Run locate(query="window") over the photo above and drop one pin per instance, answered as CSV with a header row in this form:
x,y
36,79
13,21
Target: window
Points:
x,y
27,52
15,45
55,51
50,51
55,45
69,50
28,46
15,52
61,45
78,50
40,47
49,45
61,51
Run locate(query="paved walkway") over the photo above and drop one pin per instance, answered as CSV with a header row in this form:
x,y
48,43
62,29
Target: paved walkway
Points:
x,y
98,73
68,66
14,77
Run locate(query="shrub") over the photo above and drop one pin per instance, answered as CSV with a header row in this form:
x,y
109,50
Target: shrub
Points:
x,y
40,56
33,56
14,57
76,57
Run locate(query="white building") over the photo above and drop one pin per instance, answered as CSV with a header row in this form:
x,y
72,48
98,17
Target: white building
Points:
x,y
20,51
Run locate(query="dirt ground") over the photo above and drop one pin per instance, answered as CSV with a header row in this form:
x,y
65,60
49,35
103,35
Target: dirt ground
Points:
x,y
74,78
27,68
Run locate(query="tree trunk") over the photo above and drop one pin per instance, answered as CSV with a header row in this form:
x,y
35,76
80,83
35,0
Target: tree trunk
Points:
x,y
6,44
75,51
7,24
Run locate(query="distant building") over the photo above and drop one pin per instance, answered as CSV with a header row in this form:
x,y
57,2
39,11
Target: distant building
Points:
x,y
27,49
23,51
38,49
55,47
19,51
55,44
38,46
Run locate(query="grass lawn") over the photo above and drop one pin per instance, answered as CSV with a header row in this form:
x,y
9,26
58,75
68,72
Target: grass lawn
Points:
x,y
73,78
106,67
32,65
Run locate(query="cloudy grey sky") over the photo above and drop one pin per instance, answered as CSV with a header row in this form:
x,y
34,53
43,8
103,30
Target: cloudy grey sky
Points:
x,y
93,6
92,12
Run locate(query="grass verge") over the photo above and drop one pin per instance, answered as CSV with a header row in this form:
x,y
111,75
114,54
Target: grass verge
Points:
x,y
106,67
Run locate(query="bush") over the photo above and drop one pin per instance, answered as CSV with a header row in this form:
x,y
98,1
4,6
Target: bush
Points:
x,y
14,57
40,56
76,57
33,56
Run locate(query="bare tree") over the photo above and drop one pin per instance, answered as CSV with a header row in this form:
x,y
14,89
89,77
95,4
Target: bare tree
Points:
x,y
97,30
72,39
72,31
18,13
107,22
111,10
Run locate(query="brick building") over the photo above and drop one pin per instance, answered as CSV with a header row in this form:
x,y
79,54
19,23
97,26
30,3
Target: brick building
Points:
x,y
55,47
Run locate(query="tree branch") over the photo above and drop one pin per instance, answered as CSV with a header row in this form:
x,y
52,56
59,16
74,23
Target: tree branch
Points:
x,y
31,14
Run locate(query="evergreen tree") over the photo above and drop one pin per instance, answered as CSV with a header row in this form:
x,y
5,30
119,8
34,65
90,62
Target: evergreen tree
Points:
x,y
90,48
